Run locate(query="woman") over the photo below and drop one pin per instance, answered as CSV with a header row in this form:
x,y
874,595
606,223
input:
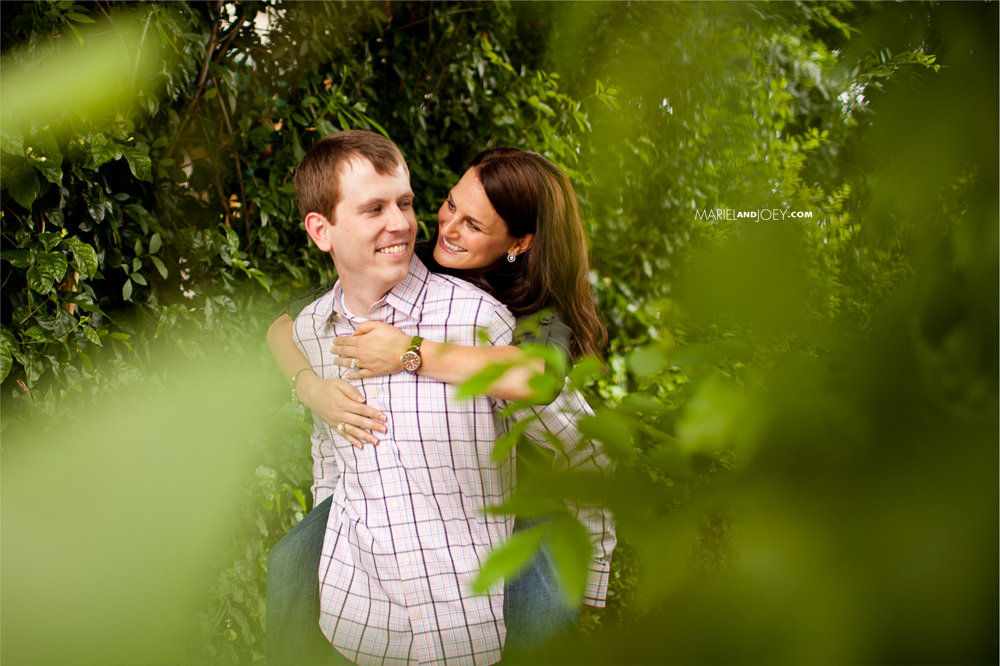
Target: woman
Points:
x,y
511,226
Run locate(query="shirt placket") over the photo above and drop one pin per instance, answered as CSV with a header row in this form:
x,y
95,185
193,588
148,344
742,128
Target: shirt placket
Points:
x,y
408,559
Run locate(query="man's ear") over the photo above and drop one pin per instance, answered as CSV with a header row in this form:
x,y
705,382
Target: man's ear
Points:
x,y
318,228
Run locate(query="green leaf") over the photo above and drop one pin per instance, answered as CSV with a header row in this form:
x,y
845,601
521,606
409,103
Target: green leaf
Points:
x,y
211,93
709,420
325,127
38,281
6,359
160,267
84,257
48,269
47,158
127,290
102,149
611,429
571,550
12,142
482,380
79,18
22,183
583,371
49,240
509,559
139,163
154,243
18,258
138,279
645,361
92,335
503,446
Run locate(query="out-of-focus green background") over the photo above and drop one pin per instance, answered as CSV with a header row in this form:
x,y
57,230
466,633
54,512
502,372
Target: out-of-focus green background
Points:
x,y
792,211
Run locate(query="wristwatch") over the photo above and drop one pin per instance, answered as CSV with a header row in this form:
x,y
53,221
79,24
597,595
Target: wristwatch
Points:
x,y
411,359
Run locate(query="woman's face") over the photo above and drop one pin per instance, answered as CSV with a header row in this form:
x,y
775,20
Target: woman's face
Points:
x,y
470,233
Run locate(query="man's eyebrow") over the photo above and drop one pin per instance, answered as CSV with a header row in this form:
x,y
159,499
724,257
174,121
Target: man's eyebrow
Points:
x,y
376,201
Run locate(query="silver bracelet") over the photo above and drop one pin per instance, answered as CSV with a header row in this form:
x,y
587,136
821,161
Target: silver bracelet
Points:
x,y
295,378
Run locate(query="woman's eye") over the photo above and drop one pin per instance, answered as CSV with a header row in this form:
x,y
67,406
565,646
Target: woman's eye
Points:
x,y
451,205
472,225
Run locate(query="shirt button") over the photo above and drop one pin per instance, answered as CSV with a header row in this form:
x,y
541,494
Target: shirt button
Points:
x,y
374,392
416,615
395,505
406,560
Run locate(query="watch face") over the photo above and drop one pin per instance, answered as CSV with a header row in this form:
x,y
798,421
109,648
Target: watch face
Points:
x,y
411,361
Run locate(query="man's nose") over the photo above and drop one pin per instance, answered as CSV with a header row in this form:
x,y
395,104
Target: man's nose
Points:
x,y
398,221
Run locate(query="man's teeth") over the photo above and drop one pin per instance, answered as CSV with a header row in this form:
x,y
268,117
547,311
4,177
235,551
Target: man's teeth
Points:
x,y
393,249
453,248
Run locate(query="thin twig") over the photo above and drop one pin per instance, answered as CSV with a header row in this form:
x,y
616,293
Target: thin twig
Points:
x,y
228,38
106,15
142,40
244,212
209,52
408,25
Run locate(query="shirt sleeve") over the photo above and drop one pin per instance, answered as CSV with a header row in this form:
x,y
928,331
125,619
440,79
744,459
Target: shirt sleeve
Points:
x,y
325,470
559,419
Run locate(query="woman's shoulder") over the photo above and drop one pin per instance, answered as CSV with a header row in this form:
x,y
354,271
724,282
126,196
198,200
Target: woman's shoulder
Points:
x,y
545,327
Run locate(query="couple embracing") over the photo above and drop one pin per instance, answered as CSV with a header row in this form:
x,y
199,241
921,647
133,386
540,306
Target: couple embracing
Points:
x,y
403,473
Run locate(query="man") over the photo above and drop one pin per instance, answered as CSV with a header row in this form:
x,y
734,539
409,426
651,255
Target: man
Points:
x,y
407,527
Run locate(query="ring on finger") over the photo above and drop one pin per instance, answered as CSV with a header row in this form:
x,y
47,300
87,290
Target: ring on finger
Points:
x,y
354,364
341,428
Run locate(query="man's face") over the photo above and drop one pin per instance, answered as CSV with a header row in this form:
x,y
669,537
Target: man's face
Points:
x,y
372,238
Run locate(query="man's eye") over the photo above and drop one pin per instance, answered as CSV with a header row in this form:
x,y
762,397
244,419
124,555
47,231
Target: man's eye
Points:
x,y
405,205
376,210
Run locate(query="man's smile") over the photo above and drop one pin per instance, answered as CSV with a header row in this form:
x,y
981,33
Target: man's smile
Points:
x,y
393,249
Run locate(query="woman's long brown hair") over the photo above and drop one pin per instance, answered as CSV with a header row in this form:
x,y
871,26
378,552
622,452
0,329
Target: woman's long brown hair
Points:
x,y
534,197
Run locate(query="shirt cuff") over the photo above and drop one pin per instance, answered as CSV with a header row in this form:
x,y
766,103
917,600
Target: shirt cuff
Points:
x,y
597,584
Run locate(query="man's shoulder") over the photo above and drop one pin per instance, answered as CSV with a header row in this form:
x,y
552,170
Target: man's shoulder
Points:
x,y
315,312
442,288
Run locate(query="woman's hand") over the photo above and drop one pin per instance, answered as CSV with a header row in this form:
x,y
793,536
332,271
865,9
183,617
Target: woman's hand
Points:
x,y
338,403
375,348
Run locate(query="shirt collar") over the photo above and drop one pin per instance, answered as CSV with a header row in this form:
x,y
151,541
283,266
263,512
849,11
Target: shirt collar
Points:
x,y
406,296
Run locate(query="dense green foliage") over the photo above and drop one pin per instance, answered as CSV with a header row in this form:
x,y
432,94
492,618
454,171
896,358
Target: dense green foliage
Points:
x,y
774,378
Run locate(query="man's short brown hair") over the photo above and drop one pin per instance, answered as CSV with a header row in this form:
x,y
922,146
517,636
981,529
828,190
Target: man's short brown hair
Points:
x,y
317,180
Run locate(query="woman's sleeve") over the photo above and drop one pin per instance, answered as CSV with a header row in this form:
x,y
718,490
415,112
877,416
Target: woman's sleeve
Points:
x,y
558,422
544,328
297,304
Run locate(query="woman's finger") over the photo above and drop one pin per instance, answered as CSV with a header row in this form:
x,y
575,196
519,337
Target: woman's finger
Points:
x,y
365,424
360,373
344,352
345,341
361,434
355,442
345,361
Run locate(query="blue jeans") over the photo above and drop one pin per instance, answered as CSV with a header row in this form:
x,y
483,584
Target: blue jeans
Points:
x,y
534,611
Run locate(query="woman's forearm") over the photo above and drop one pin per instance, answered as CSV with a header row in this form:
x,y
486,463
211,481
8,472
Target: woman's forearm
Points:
x,y
456,364
288,357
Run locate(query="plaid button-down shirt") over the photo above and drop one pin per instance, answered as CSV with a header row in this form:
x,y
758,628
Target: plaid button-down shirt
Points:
x,y
408,527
